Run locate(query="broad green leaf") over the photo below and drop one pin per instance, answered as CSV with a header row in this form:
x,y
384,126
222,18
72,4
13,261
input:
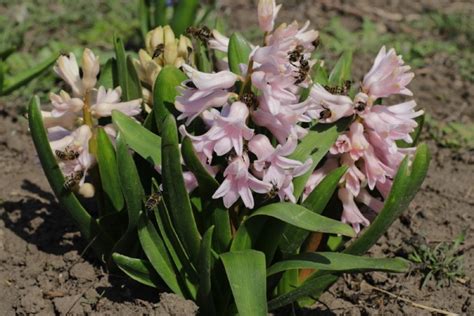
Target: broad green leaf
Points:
x,y
301,217
405,185
315,202
239,51
205,262
11,84
247,234
129,181
134,88
173,244
246,273
320,74
138,138
207,183
138,269
165,92
315,145
155,250
342,70
223,233
184,15
107,74
174,192
109,176
88,226
333,261
202,58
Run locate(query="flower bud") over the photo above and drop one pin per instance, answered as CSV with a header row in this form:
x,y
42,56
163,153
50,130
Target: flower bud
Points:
x,y
90,69
87,190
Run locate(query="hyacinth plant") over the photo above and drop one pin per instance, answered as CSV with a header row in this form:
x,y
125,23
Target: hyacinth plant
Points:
x,y
243,177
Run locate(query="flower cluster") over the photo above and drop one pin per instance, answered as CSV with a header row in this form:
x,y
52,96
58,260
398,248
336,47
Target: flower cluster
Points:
x,y
253,121
74,117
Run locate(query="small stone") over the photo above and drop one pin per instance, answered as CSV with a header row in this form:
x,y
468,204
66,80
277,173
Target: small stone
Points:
x,y
82,271
70,305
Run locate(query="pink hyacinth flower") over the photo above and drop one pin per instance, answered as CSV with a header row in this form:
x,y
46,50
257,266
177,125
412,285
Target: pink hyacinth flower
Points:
x,y
67,68
267,13
388,75
318,175
239,182
327,107
202,92
275,167
108,100
351,213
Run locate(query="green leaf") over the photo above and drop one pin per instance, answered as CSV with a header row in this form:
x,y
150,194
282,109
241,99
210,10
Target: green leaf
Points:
x,y
246,273
315,202
301,217
247,234
207,183
202,58
11,84
138,138
121,58
405,185
138,269
88,226
239,51
204,295
223,233
174,192
134,88
184,15
144,17
129,181
164,92
108,170
155,250
315,144
4,53
332,261
342,70
320,74
2,75
107,74
160,13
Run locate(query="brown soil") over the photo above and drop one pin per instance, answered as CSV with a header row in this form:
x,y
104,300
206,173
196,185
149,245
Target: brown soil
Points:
x,y
43,269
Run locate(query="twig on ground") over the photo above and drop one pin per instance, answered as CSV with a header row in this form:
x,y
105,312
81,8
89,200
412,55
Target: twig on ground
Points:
x,y
397,297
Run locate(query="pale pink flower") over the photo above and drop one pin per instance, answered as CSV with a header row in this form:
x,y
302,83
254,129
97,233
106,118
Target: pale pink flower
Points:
x,y
239,182
90,69
68,120
358,142
108,100
63,103
275,90
219,42
318,175
351,213
67,68
354,177
275,167
280,125
267,13
388,75
327,107
342,145
374,169
202,92
367,199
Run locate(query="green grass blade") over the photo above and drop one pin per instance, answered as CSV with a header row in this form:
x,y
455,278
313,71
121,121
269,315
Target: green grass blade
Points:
x,y
109,176
174,192
155,250
246,273
333,261
138,269
138,138
88,226
239,51
184,15
19,80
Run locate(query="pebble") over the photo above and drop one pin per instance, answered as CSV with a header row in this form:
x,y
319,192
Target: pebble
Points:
x,y
82,271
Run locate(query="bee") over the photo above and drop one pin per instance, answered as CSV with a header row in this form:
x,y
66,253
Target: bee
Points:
x,y
360,106
66,154
272,193
159,49
152,201
73,179
325,113
303,71
316,43
296,54
249,99
340,90
203,33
